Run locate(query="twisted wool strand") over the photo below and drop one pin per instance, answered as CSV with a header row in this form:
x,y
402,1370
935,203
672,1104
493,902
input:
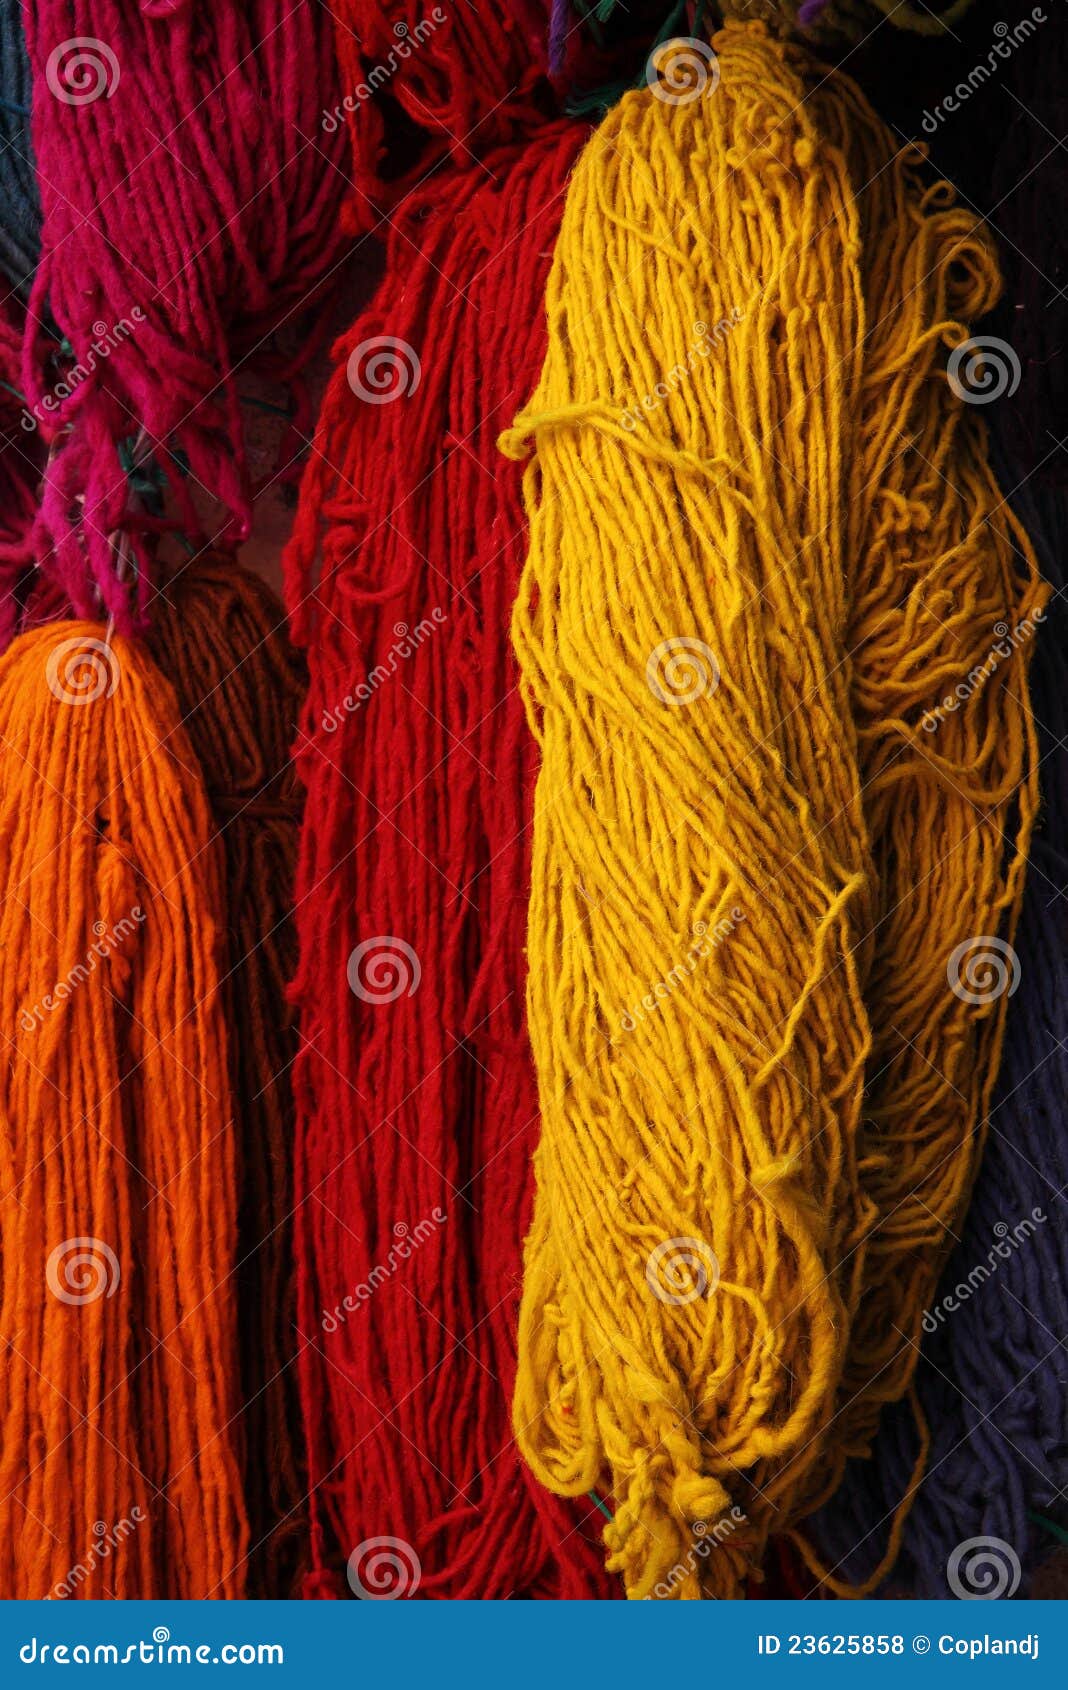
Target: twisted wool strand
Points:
x,y
774,488
190,204
218,638
419,772
119,1207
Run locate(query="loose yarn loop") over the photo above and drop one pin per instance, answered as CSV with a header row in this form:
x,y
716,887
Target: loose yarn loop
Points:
x,y
118,1214
218,638
750,575
416,1099
189,204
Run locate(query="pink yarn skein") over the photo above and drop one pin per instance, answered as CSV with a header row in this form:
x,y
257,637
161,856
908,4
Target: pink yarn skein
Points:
x,y
190,204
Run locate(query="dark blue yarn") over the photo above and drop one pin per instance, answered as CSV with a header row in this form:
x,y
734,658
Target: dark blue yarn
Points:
x,y
20,207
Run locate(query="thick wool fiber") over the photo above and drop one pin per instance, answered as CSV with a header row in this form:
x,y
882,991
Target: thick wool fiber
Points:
x,y
119,1198
991,1379
416,1099
189,205
422,82
750,574
219,639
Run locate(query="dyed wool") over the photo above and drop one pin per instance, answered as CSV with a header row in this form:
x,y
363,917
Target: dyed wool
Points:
x,y
218,637
119,1208
415,1093
453,81
190,203
20,468
990,1385
729,654
20,208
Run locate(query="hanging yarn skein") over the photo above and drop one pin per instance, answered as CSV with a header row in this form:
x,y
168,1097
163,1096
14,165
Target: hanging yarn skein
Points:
x,y
218,638
416,1099
190,203
119,1208
751,574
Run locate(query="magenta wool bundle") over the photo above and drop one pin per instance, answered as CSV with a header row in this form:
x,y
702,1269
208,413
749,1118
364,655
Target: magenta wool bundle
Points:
x,y
190,204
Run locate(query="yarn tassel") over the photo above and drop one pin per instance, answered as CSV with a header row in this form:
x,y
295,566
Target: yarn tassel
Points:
x,y
119,1207
218,638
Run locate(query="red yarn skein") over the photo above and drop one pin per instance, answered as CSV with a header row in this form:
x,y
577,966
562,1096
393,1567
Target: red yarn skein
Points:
x,y
416,1097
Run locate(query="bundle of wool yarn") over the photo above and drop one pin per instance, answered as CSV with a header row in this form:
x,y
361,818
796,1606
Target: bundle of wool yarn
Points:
x,y
118,1218
417,1109
759,558
991,1384
190,204
219,638
20,468
421,83
20,209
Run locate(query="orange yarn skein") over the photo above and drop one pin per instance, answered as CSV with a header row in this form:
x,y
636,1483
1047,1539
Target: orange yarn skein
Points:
x,y
118,1197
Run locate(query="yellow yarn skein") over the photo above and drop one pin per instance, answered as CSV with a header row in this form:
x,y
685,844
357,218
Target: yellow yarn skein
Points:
x,y
724,679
